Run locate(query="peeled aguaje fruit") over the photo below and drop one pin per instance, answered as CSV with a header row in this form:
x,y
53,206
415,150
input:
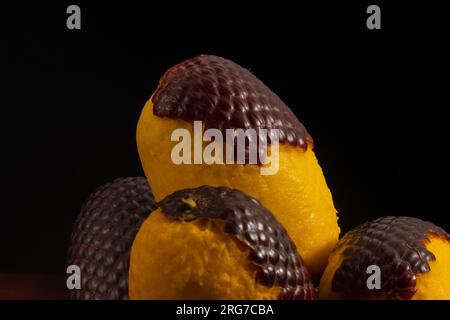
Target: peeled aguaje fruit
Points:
x,y
224,96
215,243
413,257
102,236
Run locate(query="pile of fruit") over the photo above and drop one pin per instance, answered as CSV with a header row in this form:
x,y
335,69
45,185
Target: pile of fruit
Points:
x,y
224,230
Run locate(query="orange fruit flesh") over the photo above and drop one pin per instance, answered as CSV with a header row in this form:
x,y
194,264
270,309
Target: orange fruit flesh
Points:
x,y
432,285
435,284
297,194
173,259
334,262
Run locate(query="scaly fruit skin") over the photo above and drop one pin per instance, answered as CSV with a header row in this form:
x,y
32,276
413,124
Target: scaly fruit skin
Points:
x,y
413,257
102,236
215,243
297,194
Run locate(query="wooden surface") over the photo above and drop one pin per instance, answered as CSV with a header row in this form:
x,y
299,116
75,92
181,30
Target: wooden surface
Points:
x,y
15,286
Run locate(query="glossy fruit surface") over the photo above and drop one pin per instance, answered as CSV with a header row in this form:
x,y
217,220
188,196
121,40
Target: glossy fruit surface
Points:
x,y
102,236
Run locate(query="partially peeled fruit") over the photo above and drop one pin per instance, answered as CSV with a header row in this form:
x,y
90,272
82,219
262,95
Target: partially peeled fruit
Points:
x,y
390,258
215,243
223,95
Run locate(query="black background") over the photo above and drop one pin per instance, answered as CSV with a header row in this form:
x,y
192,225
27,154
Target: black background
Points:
x,y
373,100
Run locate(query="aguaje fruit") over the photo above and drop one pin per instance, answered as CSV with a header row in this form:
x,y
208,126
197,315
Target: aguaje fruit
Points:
x,y
413,257
102,236
223,95
215,243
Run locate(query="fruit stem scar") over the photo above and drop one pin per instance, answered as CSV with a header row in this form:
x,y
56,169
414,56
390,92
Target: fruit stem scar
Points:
x,y
190,202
